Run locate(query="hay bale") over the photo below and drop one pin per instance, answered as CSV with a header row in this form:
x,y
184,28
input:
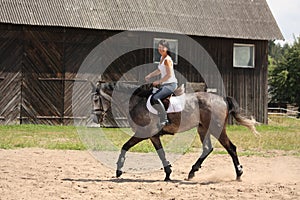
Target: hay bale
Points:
x,y
195,87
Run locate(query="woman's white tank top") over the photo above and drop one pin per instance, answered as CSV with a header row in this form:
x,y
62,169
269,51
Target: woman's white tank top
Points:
x,y
163,72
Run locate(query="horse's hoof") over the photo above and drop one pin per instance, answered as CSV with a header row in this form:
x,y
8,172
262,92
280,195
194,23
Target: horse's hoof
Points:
x,y
238,178
239,171
118,173
167,179
191,175
168,170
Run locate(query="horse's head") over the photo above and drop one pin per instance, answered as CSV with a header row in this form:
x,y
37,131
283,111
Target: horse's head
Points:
x,y
101,103
102,99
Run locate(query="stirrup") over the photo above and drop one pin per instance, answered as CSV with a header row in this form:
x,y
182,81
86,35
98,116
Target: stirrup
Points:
x,y
165,123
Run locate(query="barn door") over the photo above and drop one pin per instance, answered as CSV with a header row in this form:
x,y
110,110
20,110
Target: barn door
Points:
x,y
10,75
78,44
42,86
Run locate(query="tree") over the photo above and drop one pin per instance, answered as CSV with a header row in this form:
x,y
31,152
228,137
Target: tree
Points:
x,y
275,50
284,74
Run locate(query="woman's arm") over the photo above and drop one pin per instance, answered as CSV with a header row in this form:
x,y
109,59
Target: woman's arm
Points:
x,y
152,74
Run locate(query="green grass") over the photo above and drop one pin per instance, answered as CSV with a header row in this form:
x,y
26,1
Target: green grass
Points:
x,y
281,135
40,136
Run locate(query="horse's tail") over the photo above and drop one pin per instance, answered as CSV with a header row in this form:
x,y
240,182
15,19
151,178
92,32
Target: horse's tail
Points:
x,y
234,110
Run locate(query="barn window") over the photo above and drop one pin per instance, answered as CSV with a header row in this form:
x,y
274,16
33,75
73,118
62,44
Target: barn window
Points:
x,y
173,49
243,55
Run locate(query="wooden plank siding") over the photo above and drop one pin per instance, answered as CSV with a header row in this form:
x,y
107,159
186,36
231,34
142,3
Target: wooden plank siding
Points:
x,y
42,86
11,51
247,85
38,67
77,45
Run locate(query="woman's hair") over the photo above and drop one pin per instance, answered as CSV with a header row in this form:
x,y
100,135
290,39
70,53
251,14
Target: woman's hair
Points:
x,y
164,43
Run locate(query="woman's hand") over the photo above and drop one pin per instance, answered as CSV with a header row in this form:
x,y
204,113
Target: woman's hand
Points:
x,y
147,78
156,83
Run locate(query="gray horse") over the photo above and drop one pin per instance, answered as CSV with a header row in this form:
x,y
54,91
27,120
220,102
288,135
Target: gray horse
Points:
x,y
206,111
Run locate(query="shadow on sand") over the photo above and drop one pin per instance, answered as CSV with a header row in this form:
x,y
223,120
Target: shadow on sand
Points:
x,y
127,180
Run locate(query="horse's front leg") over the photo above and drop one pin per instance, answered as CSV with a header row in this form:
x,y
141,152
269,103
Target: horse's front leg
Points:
x,y
161,153
130,143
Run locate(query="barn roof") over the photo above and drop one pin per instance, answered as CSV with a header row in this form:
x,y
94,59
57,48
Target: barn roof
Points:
x,y
248,19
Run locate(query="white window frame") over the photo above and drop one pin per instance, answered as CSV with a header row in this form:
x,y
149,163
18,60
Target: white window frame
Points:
x,y
173,48
253,55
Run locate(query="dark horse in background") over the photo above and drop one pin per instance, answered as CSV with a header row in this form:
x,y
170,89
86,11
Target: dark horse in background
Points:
x,y
206,111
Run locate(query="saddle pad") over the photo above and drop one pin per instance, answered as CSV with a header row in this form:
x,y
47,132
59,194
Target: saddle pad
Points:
x,y
176,104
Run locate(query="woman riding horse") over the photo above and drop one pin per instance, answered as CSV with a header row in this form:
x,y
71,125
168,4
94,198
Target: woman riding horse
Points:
x,y
167,82
206,111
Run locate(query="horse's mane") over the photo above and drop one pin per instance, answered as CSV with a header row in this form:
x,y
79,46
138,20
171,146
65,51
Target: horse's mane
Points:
x,y
135,90
143,91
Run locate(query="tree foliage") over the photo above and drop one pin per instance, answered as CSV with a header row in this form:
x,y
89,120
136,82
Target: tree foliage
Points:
x,y
284,73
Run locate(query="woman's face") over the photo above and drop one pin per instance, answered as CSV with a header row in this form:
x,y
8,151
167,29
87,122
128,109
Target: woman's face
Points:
x,y
162,50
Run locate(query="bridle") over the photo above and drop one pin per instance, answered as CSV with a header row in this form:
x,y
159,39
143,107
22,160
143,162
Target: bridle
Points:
x,y
97,96
100,110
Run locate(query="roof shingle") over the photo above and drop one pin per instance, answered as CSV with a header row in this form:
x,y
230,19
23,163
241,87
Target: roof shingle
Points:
x,y
248,19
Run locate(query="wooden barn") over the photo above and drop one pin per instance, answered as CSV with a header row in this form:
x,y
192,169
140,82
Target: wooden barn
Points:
x,y
44,43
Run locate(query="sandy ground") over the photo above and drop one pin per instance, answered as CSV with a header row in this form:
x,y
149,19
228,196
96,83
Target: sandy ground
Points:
x,y
52,174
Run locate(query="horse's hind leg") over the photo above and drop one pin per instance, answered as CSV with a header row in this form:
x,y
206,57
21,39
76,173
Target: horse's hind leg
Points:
x,y
161,153
231,149
130,143
207,149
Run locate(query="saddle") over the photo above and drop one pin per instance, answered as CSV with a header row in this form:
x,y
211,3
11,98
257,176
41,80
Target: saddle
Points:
x,y
179,91
173,103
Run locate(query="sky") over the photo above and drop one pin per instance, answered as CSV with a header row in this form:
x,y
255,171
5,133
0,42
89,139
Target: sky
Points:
x,y
287,15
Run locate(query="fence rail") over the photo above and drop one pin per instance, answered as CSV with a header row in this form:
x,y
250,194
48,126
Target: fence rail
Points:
x,y
283,112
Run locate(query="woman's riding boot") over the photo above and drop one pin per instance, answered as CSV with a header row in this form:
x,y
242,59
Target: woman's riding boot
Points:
x,y
159,106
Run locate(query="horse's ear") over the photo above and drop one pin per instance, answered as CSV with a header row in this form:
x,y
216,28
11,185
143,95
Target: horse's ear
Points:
x,y
93,86
96,87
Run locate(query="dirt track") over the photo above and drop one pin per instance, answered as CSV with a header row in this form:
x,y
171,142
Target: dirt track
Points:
x,y
51,174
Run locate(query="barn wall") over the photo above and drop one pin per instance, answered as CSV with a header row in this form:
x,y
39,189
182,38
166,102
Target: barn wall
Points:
x,y
38,66
11,53
247,85
42,85
37,70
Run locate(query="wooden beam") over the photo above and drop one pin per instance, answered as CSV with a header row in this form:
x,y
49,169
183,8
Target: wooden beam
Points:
x,y
61,79
58,117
